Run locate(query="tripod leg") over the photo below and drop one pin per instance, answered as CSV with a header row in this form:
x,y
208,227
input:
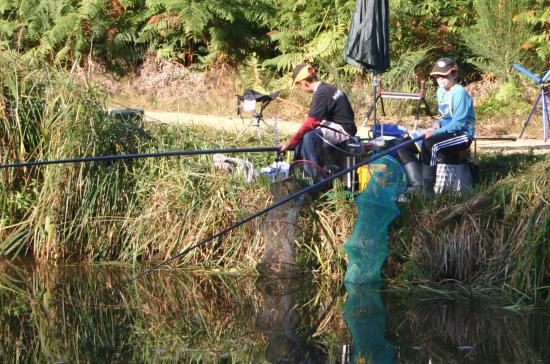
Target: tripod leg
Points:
x,y
256,120
417,116
245,127
372,108
427,108
383,109
530,116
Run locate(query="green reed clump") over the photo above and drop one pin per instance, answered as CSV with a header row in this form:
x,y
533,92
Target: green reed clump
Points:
x,y
498,238
134,210
47,114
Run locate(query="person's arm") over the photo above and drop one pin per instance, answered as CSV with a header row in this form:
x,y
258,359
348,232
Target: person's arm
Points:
x,y
309,124
460,103
316,113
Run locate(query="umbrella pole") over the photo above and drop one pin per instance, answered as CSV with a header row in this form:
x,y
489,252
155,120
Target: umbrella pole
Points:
x,y
375,83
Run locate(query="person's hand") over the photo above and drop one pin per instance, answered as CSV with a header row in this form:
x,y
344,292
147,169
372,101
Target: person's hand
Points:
x,y
284,146
428,133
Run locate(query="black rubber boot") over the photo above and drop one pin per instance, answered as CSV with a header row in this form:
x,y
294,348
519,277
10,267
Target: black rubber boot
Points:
x,y
428,178
415,175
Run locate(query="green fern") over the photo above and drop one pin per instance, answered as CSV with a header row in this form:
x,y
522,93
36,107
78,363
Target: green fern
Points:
x,y
495,40
539,19
286,62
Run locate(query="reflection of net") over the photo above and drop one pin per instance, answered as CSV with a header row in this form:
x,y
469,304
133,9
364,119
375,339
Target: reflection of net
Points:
x,y
365,315
367,247
280,231
278,319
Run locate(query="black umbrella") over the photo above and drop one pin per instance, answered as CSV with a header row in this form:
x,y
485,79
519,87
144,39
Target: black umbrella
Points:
x,y
368,43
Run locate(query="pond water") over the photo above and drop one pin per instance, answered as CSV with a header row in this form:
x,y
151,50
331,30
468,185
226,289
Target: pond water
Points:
x,y
96,314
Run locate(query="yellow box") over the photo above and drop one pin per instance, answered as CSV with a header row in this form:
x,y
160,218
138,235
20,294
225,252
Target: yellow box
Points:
x,y
365,173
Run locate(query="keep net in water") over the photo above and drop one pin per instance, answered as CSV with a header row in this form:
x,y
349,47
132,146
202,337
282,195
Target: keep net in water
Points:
x,y
367,247
281,231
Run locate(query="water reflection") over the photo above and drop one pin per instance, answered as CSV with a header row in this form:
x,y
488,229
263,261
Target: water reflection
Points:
x,y
91,314
366,315
288,340
439,331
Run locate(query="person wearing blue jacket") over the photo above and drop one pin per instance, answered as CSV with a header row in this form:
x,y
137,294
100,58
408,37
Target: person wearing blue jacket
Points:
x,y
454,130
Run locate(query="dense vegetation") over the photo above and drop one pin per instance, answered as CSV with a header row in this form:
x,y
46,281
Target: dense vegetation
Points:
x,y
150,209
275,34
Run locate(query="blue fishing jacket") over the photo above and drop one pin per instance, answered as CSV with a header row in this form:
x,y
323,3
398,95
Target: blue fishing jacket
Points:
x,y
456,108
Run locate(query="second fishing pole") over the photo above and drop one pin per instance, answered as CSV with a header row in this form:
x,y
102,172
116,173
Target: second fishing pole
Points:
x,y
104,158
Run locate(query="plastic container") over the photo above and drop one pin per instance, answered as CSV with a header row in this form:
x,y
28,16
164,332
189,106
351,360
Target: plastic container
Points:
x,y
277,171
366,172
393,130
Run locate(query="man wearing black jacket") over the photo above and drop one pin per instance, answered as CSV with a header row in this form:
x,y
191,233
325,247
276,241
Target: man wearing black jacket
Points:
x,y
330,119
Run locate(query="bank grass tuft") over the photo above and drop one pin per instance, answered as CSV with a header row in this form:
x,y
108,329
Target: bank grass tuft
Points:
x,y
498,237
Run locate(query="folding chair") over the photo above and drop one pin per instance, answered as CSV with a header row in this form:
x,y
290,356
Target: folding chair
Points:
x,y
416,96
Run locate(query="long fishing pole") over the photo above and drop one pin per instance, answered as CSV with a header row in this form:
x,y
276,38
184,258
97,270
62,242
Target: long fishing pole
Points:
x,y
281,202
101,158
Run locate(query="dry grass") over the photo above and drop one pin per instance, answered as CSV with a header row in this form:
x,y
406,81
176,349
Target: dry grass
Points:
x,y
498,238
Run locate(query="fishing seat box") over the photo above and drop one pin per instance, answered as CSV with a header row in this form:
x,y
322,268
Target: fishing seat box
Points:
x,y
345,155
128,115
454,171
393,134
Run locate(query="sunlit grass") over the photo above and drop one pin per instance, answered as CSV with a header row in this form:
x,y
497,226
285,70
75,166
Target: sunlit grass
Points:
x,y
151,209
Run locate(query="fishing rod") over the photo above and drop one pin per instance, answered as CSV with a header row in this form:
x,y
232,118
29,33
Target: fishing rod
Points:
x,y
102,158
282,202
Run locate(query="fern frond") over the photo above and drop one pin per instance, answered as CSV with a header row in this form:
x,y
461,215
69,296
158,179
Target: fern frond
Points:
x,y
285,62
63,28
328,44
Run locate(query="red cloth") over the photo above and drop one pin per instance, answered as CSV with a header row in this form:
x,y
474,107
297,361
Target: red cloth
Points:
x,y
309,124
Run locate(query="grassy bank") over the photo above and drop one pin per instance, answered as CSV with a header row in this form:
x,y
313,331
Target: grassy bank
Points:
x,y
497,239
148,210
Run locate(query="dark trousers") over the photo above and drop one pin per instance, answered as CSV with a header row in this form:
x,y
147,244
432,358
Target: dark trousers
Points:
x,y
310,147
431,146
310,151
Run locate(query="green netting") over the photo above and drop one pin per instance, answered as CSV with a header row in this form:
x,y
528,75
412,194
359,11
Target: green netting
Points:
x,y
281,231
365,315
367,247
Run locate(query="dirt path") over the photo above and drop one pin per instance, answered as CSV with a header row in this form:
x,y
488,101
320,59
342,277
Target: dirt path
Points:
x,y
229,123
236,124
